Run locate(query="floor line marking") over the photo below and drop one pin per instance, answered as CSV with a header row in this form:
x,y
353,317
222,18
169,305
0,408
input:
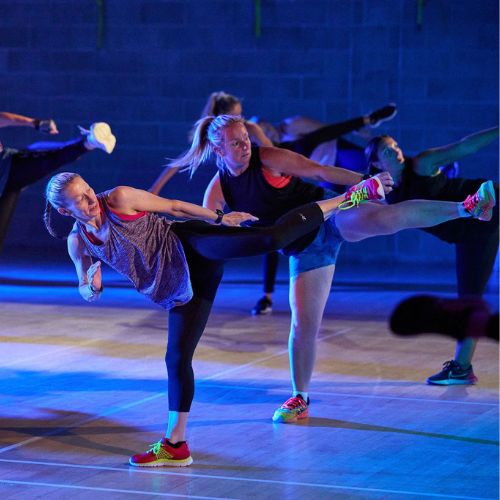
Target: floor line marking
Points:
x,y
350,395
109,490
271,356
236,478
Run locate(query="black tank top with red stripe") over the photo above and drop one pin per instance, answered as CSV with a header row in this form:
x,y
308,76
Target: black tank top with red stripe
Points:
x,y
251,192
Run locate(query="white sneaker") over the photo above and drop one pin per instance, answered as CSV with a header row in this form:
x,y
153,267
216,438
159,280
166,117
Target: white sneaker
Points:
x,y
99,136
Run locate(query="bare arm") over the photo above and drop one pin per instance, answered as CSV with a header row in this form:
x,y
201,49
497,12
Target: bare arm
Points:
x,y
214,198
281,161
89,274
166,174
257,135
129,201
427,162
14,120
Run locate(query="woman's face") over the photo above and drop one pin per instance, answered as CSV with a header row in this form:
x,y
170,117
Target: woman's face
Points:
x,y
236,148
81,201
390,154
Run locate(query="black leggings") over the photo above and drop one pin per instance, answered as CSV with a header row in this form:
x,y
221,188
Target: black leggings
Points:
x,y
308,143
29,166
206,247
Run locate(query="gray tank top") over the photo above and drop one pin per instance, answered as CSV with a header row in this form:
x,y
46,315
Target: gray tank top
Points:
x,y
144,249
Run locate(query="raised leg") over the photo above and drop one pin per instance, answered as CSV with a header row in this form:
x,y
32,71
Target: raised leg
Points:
x,y
376,219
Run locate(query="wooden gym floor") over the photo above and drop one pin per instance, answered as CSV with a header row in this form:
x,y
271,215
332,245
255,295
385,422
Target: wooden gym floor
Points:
x,y
84,386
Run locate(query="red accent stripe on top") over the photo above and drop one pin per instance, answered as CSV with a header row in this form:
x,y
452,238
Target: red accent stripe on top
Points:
x,y
138,215
276,182
95,240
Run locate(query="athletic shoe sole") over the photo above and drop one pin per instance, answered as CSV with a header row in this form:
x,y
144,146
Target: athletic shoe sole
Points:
x,y
387,118
283,420
262,312
452,381
102,137
164,463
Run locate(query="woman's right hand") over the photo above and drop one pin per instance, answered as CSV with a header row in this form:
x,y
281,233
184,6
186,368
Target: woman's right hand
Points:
x,y
94,275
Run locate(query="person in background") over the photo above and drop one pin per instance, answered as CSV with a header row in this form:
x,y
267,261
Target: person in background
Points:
x,y
21,168
476,244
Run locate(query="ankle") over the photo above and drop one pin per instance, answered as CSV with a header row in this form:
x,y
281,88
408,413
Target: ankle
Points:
x,y
462,211
304,395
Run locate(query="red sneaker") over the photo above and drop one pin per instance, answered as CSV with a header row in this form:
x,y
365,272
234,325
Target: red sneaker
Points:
x,y
368,190
293,409
480,204
163,453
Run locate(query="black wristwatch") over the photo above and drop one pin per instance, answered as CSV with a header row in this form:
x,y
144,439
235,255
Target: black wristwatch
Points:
x,y
366,177
220,214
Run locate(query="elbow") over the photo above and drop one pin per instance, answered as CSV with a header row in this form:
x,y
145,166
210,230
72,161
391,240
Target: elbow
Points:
x,y
176,208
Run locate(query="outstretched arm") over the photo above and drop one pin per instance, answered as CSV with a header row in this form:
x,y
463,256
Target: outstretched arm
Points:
x,y
89,274
14,120
282,161
166,174
427,162
129,201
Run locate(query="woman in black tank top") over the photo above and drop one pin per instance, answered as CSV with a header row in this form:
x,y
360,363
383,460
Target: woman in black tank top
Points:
x,y
245,180
476,243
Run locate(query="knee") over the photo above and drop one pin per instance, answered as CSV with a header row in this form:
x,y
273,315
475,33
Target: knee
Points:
x,y
177,362
303,333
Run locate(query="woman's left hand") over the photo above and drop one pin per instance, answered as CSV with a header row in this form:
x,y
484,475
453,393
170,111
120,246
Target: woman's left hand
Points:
x,y
386,180
236,218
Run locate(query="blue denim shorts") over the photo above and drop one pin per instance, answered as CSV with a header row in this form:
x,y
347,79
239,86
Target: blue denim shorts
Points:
x,y
322,252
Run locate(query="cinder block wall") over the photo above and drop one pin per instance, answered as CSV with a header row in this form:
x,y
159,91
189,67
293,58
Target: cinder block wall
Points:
x,y
329,59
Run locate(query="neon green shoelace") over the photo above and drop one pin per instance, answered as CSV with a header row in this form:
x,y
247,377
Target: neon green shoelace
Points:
x,y
356,198
155,448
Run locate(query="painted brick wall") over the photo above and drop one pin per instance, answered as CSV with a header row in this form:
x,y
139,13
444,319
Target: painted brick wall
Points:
x,y
329,59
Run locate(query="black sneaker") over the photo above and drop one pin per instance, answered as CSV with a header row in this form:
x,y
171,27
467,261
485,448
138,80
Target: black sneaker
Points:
x,y
263,306
382,115
453,374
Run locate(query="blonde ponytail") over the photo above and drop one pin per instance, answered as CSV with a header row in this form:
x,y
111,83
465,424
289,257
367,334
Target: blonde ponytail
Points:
x,y
208,134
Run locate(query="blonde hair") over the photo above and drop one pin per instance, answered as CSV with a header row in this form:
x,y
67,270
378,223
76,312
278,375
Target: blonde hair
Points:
x,y
208,134
54,196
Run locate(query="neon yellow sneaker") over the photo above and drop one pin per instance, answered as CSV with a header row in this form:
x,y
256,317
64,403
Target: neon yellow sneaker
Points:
x,y
163,453
293,409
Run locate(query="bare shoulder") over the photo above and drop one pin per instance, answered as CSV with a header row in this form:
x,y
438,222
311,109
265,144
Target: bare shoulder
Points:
x,y
76,245
273,158
119,197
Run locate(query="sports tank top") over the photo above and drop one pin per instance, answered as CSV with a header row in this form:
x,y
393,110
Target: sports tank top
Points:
x,y
145,250
251,192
